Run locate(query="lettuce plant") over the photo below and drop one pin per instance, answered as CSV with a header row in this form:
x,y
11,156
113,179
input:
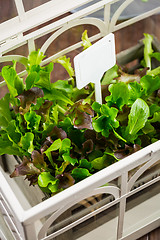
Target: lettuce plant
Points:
x,y
61,134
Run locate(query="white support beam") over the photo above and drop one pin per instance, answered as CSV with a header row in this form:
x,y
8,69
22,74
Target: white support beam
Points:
x,y
20,9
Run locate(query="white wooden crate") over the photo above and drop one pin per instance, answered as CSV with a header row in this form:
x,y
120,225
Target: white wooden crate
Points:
x,y
130,214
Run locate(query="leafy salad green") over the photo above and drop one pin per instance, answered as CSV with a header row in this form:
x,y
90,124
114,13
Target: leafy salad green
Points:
x,y
61,134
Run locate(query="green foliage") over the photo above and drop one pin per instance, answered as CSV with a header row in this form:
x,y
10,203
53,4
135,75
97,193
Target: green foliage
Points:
x,y
65,62
5,113
32,120
119,95
106,120
61,134
150,84
57,95
80,174
138,116
155,55
55,146
84,163
156,117
99,163
35,58
47,182
135,91
154,72
13,81
110,75
26,142
63,85
147,50
7,147
85,40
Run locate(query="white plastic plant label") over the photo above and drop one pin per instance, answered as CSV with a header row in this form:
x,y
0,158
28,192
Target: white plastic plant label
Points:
x,y
91,64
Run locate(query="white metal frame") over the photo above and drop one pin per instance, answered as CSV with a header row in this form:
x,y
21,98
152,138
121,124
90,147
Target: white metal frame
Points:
x,y
23,223
25,220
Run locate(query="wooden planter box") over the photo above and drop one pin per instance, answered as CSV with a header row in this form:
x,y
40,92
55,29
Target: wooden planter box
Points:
x,y
126,208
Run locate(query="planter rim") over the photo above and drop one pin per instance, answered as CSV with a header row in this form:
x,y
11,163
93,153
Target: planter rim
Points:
x,y
80,189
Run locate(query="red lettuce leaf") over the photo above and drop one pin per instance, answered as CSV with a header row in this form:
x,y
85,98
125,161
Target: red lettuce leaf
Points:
x,y
25,168
81,115
29,97
128,150
65,180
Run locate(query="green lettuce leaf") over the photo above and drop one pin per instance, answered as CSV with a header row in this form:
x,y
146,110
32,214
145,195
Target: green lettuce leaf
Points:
x,y
31,79
13,132
138,116
80,173
26,142
85,40
84,163
109,75
6,147
154,72
35,58
69,159
55,146
97,107
33,120
66,146
148,128
107,121
63,85
156,55
156,117
135,91
65,62
43,80
13,81
148,49
5,113
154,108
119,95
56,95
104,161
45,179
150,84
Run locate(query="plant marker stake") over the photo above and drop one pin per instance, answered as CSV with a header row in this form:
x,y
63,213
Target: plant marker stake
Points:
x,y
98,92
91,64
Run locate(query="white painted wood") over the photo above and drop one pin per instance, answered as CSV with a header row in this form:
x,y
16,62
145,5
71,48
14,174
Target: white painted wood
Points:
x,y
119,26
98,179
20,9
80,191
108,190
10,218
44,13
31,45
140,172
118,13
96,22
122,205
136,221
